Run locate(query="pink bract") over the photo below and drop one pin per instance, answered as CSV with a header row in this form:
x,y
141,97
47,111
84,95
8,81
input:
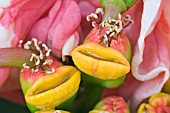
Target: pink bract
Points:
x,y
149,36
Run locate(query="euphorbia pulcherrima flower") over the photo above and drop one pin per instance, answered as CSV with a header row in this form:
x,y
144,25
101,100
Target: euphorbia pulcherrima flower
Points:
x,y
47,84
158,103
102,57
48,91
149,36
111,104
105,49
24,19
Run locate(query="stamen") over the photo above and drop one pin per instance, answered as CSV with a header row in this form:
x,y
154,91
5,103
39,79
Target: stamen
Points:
x,y
108,32
50,71
94,15
35,70
41,52
48,52
105,41
114,27
128,17
36,44
37,62
112,34
27,45
32,57
20,43
99,10
48,61
127,21
45,47
95,18
93,23
108,25
41,55
102,24
35,58
26,66
35,41
39,42
88,18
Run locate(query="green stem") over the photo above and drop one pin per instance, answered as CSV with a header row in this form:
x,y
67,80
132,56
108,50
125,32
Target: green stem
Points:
x,y
111,11
15,57
121,5
88,96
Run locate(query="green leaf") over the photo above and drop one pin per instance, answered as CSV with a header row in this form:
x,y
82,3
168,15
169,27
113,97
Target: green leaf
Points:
x,y
11,107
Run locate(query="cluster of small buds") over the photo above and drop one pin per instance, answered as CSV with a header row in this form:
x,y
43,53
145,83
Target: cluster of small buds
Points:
x,y
113,27
39,57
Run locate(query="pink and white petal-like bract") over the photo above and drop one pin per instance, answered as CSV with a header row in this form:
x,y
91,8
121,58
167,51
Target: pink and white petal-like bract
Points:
x,y
150,38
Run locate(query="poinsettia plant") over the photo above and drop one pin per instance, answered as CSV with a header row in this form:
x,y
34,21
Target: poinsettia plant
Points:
x,y
82,53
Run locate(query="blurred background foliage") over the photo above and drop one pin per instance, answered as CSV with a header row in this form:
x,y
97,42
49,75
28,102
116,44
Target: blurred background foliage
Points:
x,y
11,107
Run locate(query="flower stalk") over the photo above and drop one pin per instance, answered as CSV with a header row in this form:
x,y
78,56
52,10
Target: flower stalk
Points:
x,y
124,5
87,97
15,57
109,12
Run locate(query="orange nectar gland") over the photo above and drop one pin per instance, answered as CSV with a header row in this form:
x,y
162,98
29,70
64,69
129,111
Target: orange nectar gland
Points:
x,y
100,62
49,91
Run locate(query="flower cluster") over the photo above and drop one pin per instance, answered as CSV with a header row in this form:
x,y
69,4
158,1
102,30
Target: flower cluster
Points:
x,y
115,60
